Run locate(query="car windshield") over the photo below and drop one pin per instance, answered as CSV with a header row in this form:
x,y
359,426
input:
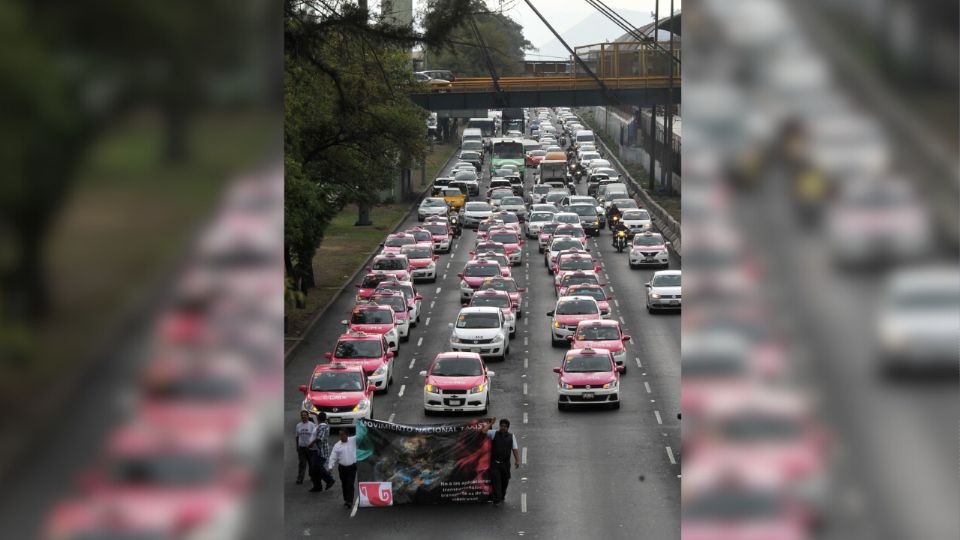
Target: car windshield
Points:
x,y
500,193
456,367
417,252
626,203
390,264
434,203
538,153
541,189
728,505
584,210
636,214
572,279
478,320
644,240
565,243
359,348
498,258
549,228
508,150
452,192
333,381
491,247
587,156
576,306
482,270
400,241
500,285
396,302
478,207
598,333
554,196
928,299
504,238
465,176
421,236
593,292
508,217
472,145
578,263
480,300
587,363
759,427
540,216
163,469
372,316
437,229
512,201
469,156
666,280
697,365
568,218
371,282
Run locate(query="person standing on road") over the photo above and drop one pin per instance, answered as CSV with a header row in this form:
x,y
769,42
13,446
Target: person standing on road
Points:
x,y
303,436
344,456
320,445
504,443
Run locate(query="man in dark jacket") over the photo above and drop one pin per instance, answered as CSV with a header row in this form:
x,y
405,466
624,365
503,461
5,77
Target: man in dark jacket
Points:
x,y
504,443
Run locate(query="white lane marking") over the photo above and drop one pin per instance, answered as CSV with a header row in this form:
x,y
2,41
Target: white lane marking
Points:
x,y
356,503
673,461
611,288
448,266
525,321
438,289
622,321
432,302
526,341
616,302
525,361
657,414
444,278
402,388
412,360
525,418
523,455
523,503
428,322
391,417
647,386
524,388
639,365
420,341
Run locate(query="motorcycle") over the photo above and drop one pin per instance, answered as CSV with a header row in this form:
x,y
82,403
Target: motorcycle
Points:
x,y
454,220
620,241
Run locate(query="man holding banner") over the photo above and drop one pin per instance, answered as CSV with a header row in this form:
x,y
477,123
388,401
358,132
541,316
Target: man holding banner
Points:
x,y
504,443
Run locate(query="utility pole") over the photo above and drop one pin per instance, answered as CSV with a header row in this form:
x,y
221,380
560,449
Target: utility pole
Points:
x,y
666,164
651,171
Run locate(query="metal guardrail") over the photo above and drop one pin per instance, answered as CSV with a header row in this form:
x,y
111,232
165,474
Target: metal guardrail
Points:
x,y
533,84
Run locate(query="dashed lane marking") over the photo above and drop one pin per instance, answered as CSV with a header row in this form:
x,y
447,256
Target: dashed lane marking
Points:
x,y
616,302
639,365
524,388
523,455
444,278
657,414
356,503
525,363
402,388
647,386
525,418
412,360
391,417
526,341
523,503
438,289
673,460
428,322
420,341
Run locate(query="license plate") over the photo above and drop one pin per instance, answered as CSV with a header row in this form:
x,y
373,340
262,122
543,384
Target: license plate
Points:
x,y
333,420
651,259
455,402
588,395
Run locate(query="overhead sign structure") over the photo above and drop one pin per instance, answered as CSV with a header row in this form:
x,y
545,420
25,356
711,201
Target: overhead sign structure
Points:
x,y
423,464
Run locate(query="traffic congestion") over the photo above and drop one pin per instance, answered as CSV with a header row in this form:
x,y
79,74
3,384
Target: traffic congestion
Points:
x,y
509,273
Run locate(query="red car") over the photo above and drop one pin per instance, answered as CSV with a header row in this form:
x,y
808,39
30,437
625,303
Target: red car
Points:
x,y
456,382
545,234
512,243
370,282
423,262
588,377
410,294
340,391
534,157
483,229
580,277
394,264
500,299
401,312
568,313
474,273
369,351
573,260
421,235
508,285
394,242
375,319
603,334
593,291
575,231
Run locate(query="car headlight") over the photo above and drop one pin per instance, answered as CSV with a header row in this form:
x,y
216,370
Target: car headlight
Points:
x,y
611,384
654,295
432,389
556,324
454,339
596,222
478,389
566,386
464,285
308,405
362,406
380,370
498,338
392,331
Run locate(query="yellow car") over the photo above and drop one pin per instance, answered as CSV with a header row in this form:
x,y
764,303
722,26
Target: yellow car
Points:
x,y
454,197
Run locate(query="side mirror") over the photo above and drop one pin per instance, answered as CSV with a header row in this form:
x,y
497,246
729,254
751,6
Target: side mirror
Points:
x,y
549,314
556,370
608,298
390,355
328,356
303,388
598,268
423,373
647,284
491,373
521,289
418,297
372,388
602,284
436,257
460,274
626,338
449,325
621,369
344,322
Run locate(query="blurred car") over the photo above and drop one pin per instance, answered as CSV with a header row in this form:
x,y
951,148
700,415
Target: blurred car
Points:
x,y
602,334
649,248
410,294
375,319
589,219
573,260
663,291
456,382
588,377
394,264
401,314
578,277
534,157
340,391
441,235
481,330
594,291
512,243
712,370
636,221
472,157
533,223
508,285
567,314
474,212
514,205
558,244
545,235
421,235
370,282
368,351
394,242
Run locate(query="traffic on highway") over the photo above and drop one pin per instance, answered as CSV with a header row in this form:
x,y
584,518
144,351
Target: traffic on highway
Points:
x,y
511,302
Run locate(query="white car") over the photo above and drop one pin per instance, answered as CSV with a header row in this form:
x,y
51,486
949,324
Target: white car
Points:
x,y
515,205
481,330
567,217
649,248
432,206
456,382
663,290
637,221
535,222
474,212
559,244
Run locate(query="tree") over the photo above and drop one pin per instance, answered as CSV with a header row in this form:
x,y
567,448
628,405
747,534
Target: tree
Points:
x,y
464,55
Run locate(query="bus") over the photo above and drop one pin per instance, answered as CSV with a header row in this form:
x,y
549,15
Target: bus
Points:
x,y
507,151
487,127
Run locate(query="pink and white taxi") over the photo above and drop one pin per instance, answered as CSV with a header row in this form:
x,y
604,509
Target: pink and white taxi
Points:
x,y
588,377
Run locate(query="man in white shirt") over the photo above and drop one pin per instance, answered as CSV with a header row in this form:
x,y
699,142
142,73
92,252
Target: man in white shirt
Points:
x,y
344,456
303,437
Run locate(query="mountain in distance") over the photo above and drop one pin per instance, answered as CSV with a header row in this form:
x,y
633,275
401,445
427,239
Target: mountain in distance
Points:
x,y
596,28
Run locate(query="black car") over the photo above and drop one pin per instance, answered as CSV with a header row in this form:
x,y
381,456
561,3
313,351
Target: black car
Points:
x,y
588,217
473,158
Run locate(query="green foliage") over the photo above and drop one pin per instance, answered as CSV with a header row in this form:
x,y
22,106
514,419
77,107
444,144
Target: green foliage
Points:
x,y
463,55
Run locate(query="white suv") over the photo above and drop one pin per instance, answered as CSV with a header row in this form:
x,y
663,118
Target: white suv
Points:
x,y
481,330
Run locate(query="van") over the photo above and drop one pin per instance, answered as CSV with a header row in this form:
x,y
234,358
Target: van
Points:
x,y
471,134
584,136
615,187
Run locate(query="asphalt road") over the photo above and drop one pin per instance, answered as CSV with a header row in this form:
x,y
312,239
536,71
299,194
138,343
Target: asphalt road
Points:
x,y
586,474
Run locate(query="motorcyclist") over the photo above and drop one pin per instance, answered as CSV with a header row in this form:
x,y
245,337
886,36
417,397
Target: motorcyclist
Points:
x,y
617,229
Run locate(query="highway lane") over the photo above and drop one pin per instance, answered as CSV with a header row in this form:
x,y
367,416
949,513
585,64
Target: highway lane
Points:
x,y
581,477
